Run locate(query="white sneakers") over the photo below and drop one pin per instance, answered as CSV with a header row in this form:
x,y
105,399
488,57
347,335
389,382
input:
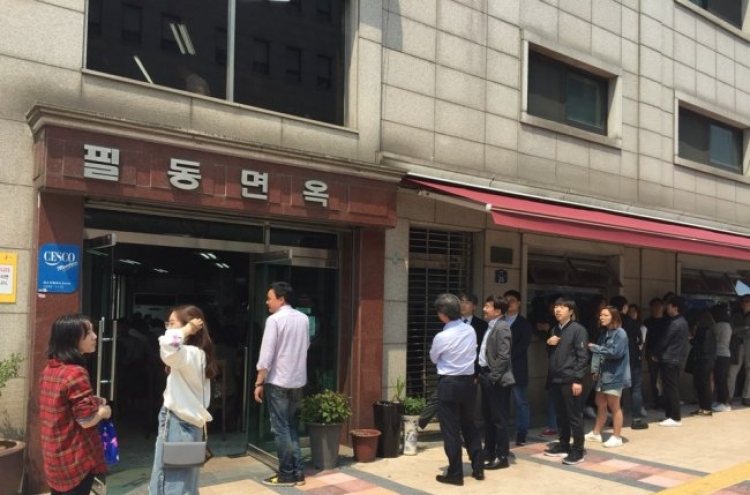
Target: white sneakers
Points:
x,y
670,422
613,441
593,437
721,407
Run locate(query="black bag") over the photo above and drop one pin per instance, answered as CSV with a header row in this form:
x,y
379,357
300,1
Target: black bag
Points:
x,y
734,349
691,359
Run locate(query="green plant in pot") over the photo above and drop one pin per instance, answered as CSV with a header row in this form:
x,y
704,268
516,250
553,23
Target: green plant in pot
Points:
x,y
324,413
11,451
412,408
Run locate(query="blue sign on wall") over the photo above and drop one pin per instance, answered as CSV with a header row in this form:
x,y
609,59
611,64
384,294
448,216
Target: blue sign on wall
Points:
x,y
59,266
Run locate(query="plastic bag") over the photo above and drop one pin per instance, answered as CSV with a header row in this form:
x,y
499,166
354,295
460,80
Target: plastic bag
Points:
x,y
109,442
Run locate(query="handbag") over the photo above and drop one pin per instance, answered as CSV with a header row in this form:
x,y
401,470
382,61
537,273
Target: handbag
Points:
x,y
109,442
178,455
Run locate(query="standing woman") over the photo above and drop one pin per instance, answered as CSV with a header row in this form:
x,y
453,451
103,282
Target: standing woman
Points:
x,y
611,373
723,333
69,410
187,350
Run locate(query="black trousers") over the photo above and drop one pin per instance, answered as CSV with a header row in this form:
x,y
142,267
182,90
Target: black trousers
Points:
x,y
721,374
670,381
84,488
495,404
702,382
653,377
456,408
569,413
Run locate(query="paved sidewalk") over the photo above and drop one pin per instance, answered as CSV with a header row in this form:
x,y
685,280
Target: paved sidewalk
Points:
x,y
681,460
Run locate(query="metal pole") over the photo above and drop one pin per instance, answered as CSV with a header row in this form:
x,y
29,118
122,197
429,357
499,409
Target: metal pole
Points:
x,y
231,31
99,347
245,371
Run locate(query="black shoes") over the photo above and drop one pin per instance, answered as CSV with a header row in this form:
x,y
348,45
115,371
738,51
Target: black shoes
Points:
x,y
558,450
520,440
575,457
449,480
478,475
639,424
745,402
497,463
702,412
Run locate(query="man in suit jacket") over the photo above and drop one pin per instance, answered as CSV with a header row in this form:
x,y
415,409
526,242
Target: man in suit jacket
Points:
x,y
521,331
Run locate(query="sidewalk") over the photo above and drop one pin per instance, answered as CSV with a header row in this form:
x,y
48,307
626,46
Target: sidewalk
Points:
x,y
652,460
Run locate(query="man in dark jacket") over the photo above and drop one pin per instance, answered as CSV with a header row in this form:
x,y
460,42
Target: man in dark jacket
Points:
x,y
521,331
669,354
656,326
635,347
568,362
496,380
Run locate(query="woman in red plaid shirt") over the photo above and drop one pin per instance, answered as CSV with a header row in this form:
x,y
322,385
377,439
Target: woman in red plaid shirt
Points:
x,y
69,410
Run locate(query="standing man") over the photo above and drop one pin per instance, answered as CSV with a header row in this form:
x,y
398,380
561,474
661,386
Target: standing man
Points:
x,y
669,354
454,352
468,307
568,361
635,348
496,380
656,326
282,373
521,332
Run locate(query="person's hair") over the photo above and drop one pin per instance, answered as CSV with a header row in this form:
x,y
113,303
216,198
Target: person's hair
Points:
x,y
655,301
616,317
667,296
200,339
67,332
512,293
472,298
637,310
720,313
618,302
498,303
283,289
568,303
448,305
676,301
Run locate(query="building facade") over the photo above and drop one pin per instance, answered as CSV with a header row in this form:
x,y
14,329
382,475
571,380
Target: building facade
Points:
x,y
375,153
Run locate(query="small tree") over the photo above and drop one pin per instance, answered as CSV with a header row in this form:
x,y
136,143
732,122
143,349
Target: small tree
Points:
x,y
9,369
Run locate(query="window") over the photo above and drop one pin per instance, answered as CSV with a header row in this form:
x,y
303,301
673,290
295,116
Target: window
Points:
x,y
184,45
131,23
708,141
293,65
566,94
728,10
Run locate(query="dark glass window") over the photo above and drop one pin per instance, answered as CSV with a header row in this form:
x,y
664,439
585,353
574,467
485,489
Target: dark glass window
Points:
x,y
567,94
318,240
728,10
261,57
184,45
708,141
132,23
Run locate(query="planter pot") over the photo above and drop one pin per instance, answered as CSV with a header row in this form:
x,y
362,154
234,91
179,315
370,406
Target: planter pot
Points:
x,y
365,444
387,417
11,466
411,434
324,444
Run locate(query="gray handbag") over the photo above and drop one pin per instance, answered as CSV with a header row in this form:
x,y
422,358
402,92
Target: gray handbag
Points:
x,y
185,454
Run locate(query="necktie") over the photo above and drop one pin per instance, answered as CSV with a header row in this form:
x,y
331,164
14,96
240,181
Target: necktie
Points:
x,y
466,320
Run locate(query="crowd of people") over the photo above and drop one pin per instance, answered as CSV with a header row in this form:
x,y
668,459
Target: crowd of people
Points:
x,y
485,362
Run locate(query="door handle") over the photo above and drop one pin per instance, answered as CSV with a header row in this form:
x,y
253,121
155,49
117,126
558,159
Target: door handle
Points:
x,y
99,348
113,361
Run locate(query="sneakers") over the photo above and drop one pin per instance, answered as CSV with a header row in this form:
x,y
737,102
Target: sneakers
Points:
x,y
639,424
299,478
701,412
520,439
593,437
575,457
549,432
277,480
558,450
670,422
589,412
721,408
613,441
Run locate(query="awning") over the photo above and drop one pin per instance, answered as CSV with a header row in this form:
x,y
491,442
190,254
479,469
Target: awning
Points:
x,y
582,223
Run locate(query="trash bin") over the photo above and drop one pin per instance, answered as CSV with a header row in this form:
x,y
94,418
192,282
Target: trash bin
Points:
x,y
388,421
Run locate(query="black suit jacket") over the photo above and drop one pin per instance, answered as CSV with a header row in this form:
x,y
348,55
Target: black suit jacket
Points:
x,y
480,327
521,332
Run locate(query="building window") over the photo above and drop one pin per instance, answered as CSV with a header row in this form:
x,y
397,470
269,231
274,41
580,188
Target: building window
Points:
x,y
708,141
567,94
728,10
132,19
261,57
184,45
293,60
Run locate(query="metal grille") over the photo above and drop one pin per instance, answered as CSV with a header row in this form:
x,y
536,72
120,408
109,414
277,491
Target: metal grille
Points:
x,y
439,261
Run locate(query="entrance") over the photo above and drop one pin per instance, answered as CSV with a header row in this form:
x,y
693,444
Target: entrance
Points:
x,y
131,282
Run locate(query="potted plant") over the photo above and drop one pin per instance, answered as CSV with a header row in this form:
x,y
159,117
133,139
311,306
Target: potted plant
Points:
x,y
412,408
387,416
11,451
324,413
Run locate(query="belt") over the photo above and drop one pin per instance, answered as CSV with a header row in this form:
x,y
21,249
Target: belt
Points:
x,y
484,369
457,377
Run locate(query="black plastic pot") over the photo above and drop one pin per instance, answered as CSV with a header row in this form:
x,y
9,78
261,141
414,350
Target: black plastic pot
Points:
x,y
387,418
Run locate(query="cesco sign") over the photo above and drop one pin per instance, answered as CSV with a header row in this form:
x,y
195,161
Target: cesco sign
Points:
x,y
54,258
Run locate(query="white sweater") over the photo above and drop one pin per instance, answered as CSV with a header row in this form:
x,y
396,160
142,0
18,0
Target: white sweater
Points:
x,y
188,392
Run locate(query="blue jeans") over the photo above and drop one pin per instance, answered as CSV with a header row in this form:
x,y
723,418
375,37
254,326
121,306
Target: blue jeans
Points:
x,y
523,415
283,404
173,481
636,391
